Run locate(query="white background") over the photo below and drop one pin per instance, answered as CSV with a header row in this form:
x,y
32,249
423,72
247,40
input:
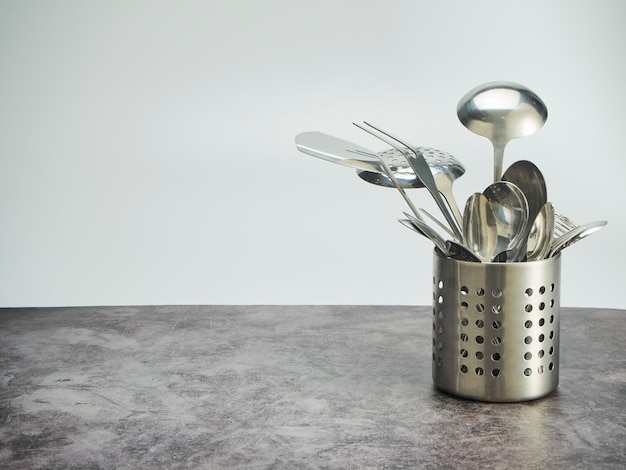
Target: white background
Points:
x,y
147,148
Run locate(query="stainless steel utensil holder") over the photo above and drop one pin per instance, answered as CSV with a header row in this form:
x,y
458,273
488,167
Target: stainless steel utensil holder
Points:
x,y
496,328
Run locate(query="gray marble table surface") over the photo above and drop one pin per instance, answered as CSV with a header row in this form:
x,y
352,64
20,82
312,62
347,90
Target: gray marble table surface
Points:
x,y
255,387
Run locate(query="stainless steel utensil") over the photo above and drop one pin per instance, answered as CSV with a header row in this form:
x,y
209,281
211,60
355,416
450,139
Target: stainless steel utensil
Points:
x,y
526,176
346,153
424,229
540,234
501,111
421,169
575,235
480,230
461,252
510,208
562,225
445,169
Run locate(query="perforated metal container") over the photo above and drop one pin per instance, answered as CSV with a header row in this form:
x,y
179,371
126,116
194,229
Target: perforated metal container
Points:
x,y
496,328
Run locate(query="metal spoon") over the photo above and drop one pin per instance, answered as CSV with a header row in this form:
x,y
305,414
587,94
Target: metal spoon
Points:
x,y
421,169
510,208
445,169
526,176
501,111
480,231
540,234
346,153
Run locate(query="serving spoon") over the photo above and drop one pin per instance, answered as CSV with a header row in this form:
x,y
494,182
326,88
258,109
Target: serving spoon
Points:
x,y
510,209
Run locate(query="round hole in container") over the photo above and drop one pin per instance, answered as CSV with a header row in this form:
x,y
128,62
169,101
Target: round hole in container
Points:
x,y
528,371
528,324
440,284
528,340
496,325
542,305
542,321
464,321
479,371
495,356
552,335
440,315
433,341
528,292
464,337
433,357
464,369
551,318
440,330
440,345
480,355
440,299
541,338
551,351
434,310
480,323
480,308
540,353
551,287
540,370
551,303
480,291
496,309
434,327
496,372
496,341
464,305
496,293
464,290
434,281
542,290
480,339
464,353
528,308
528,356
551,366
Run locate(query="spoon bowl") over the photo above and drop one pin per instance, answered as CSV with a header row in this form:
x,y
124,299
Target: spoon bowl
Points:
x,y
540,234
510,208
480,232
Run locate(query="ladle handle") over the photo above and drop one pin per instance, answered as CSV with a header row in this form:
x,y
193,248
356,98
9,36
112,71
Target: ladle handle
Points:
x,y
498,159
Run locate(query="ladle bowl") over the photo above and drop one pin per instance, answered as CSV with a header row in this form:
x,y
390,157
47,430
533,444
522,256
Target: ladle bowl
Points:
x,y
501,111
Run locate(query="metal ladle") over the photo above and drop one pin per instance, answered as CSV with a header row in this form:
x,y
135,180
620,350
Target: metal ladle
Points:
x,y
501,111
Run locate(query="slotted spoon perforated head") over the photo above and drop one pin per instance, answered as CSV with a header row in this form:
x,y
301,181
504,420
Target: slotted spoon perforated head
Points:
x,y
440,163
444,167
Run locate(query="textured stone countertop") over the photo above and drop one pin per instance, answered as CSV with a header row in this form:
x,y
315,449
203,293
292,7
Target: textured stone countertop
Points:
x,y
255,387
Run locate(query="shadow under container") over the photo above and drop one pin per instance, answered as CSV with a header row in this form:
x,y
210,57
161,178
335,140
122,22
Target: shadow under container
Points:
x,y
496,328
